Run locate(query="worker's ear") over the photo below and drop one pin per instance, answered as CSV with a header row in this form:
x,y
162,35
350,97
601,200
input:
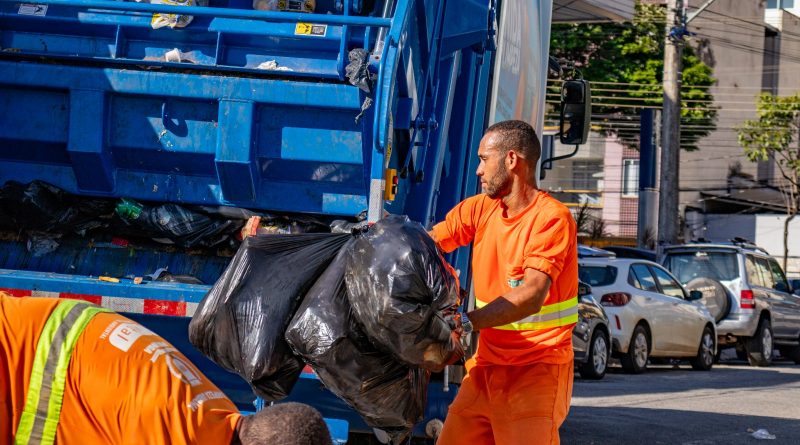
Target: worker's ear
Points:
x,y
512,159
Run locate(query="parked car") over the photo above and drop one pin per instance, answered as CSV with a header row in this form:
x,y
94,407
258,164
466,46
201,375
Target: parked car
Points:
x,y
632,252
747,291
650,313
590,336
585,251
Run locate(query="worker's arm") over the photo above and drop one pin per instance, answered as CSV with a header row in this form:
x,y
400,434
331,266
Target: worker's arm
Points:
x,y
459,226
518,303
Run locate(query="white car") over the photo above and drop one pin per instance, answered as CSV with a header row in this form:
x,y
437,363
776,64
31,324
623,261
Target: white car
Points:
x,y
650,314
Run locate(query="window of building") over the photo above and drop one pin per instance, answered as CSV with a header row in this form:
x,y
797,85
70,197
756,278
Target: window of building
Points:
x,y
782,4
630,177
585,174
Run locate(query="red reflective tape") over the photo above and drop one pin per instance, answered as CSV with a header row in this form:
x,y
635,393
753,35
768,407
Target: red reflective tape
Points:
x,y
308,369
17,292
96,299
163,307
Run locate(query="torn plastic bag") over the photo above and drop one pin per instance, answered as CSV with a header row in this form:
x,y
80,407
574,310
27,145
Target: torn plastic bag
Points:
x,y
388,394
401,290
176,223
47,208
240,323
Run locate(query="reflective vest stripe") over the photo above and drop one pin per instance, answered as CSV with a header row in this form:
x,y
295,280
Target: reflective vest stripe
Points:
x,y
39,419
563,313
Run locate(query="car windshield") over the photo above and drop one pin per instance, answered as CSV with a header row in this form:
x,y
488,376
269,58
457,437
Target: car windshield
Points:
x,y
597,275
686,266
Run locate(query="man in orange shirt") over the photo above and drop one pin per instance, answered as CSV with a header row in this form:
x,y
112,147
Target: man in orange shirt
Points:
x,y
75,373
525,269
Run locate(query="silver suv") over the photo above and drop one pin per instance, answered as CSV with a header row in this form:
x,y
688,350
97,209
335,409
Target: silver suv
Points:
x,y
747,293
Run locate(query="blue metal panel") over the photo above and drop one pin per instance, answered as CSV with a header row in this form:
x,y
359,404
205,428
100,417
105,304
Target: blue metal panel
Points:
x,y
259,143
236,169
77,284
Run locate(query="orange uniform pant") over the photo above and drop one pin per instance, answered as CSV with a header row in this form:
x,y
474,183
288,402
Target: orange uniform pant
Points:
x,y
509,405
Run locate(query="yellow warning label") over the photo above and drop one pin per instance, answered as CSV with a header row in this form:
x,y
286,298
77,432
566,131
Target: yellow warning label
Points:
x,y
310,29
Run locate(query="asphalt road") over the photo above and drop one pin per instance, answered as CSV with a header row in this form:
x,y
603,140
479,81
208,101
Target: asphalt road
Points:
x,y
669,405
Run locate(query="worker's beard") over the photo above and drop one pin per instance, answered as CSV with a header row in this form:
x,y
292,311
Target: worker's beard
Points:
x,y
498,184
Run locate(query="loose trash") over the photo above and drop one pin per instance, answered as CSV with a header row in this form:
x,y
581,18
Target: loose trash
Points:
x,y
176,224
386,393
40,244
358,73
285,5
402,290
173,20
240,324
272,66
761,434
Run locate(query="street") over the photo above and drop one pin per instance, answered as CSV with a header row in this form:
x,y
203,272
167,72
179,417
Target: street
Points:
x,y
666,405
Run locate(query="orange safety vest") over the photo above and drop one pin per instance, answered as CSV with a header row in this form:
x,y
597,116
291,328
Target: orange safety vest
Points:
x,y
81,374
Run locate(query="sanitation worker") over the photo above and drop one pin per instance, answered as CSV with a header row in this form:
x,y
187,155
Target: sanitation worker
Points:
x,y
74,373
525,270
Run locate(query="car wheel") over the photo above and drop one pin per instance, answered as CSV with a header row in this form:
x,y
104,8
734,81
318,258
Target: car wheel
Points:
x,y
705,352
635,360
597,364
759,348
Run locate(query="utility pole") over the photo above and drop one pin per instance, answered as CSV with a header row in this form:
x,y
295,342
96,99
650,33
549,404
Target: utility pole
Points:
x,y
671,126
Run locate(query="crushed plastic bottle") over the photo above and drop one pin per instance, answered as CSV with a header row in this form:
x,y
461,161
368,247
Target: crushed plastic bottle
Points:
x,y
763,434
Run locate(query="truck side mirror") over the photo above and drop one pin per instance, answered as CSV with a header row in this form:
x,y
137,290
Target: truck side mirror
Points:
x,y
576,112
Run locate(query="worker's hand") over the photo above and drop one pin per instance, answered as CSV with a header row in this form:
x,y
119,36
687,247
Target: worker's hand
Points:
x,y
454,320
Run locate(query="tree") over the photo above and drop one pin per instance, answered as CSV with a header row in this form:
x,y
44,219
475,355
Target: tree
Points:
x,y
774,135
626,63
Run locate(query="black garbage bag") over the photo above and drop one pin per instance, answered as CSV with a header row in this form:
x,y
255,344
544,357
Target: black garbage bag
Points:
x,y
44,207
240,323
178,224
388,395
402,290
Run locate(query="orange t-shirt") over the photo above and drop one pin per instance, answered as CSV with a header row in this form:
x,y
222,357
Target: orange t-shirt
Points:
x,y
542,237
125,385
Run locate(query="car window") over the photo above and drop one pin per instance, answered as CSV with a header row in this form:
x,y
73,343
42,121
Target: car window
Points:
x,y
777,276
668,285
763,269
597,275
644,277
686,266
753,275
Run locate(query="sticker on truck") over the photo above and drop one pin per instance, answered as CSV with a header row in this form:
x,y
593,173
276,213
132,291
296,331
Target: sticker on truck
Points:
x,y
310,29
31,9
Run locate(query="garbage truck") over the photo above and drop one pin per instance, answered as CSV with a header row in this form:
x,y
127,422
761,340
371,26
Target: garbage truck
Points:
x,y
330,110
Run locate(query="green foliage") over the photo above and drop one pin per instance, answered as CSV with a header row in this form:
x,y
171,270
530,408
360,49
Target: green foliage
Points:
x,y
774,134
633,53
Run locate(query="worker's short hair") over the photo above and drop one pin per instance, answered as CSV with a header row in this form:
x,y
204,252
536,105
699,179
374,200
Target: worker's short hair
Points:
x,y
518,136
284,424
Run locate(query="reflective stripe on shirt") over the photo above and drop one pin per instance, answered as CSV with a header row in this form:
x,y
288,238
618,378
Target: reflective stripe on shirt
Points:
x,y
554,315
39,419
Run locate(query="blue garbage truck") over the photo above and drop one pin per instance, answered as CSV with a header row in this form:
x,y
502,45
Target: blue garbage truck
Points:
x,y
359,107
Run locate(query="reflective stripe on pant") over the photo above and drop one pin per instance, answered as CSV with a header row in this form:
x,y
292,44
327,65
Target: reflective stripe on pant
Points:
x,y
39,419
509,405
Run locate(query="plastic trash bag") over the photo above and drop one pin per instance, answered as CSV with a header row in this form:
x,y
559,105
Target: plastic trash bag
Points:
x,y
47,208
240,323
402,290
176,224
285,5
386,393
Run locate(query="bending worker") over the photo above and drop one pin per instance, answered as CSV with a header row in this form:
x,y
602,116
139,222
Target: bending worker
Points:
x,y
75,373
525,269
